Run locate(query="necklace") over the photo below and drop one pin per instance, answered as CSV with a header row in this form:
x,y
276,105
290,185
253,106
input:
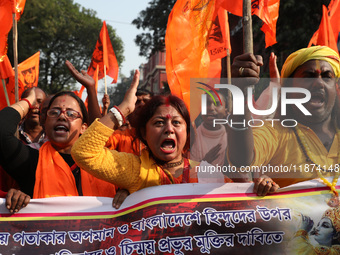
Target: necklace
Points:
x,y
310,158
171,165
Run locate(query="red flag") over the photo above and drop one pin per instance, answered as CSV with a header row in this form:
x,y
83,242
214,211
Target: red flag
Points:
x,y
186,40
266,10
324,35
104,55
28,76
19,8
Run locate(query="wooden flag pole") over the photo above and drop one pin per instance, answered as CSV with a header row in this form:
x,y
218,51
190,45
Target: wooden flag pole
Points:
x,y
247,27
105,79
15,53
5,92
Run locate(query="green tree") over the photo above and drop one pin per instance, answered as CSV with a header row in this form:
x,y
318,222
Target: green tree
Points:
x,y
154,18
61,30
297,22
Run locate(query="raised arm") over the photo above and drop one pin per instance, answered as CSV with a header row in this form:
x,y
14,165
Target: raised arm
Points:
x,y
240,138
89,83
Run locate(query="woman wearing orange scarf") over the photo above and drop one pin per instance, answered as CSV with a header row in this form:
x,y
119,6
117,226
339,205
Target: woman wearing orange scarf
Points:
x,y
51,171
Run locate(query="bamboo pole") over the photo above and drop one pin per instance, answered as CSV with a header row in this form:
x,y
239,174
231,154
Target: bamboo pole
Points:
x,y
247,27
105,79
5,92
15,53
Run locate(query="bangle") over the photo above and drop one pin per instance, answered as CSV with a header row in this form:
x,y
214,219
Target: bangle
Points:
x,y
124,120
26,100
117,115
23,110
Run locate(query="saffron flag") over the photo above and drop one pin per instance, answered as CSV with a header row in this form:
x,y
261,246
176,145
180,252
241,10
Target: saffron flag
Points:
x,y
334,16
186,40
266,10
6,69
218,43
328,32
28,76
104,55
6,21
19,8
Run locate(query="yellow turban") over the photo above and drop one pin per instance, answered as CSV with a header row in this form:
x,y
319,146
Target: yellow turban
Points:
x,y
301,56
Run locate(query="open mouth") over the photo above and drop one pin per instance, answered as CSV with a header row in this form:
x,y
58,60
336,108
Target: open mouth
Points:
x,y
61,129
317,99
168,145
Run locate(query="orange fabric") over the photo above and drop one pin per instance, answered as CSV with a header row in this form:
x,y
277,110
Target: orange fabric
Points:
x,y
6,69
219,37
186,38
19,8
104,55
324,36
125,141
54,178
28,76
334,17
6,21
266,10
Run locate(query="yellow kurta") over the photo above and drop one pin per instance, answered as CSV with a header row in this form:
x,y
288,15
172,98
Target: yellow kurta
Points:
x,y
278,146
125,170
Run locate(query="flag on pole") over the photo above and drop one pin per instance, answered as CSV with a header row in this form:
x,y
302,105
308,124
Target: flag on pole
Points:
x,y
6,21
186,42
19,8
28,76
329,25
104,55
266,10
6,69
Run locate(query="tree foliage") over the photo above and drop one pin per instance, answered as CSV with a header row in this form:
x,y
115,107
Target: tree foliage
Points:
x,y
61,30
297,22
154,18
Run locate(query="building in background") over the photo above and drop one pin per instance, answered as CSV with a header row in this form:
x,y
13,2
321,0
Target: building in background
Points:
x,y
154,74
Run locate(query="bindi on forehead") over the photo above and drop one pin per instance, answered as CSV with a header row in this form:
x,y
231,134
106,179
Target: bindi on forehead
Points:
x,y
168,116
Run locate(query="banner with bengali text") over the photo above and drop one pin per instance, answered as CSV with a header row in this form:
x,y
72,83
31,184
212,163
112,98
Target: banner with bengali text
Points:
x,y
182,219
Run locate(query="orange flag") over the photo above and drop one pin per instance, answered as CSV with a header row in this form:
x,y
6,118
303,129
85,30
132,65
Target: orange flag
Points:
x,y
324,35
104,55
19,8
334,16
186,40
266,10
6,21
218,43
6,69
28,76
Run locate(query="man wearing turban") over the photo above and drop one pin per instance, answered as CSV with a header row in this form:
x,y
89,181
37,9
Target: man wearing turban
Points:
x,y
297,152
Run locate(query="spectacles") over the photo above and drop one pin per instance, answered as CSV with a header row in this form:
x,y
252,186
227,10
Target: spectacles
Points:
x,y
70,114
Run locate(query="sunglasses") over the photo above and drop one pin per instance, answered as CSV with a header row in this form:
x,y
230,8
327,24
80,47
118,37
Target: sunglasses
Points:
x,y
70,114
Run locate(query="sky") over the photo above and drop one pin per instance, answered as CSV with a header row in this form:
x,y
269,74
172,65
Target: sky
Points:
x,y
119,15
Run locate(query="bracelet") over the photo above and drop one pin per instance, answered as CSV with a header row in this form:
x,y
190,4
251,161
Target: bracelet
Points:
x,y
234,128
26,100
22,108
124,120
117,115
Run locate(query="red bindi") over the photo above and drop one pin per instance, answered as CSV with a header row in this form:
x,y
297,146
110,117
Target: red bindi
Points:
x,y
168,116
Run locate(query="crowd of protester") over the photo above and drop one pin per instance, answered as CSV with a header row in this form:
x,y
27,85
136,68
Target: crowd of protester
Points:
x,y
52,145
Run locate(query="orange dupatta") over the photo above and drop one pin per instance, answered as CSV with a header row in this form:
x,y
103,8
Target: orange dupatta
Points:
x,y
54,178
